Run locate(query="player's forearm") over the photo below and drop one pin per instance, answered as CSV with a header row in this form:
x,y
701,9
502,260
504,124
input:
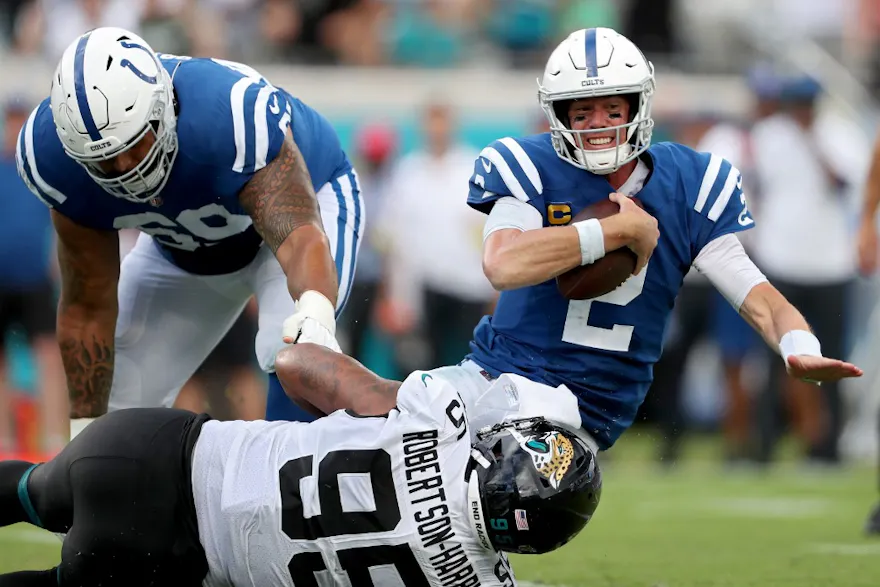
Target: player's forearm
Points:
x,y
86,339
532,257
330,381
771,315
305,258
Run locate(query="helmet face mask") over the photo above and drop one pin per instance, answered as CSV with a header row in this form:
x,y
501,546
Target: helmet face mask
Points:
x,y
533,486
593,63
109,92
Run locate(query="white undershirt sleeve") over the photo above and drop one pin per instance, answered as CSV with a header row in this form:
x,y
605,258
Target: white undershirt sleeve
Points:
x,y
729,268
509,212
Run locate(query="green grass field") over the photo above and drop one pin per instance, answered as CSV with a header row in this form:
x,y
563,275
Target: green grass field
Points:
x,y
694,526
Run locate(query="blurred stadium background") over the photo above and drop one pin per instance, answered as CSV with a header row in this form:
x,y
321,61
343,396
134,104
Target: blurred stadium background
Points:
x,y
731,476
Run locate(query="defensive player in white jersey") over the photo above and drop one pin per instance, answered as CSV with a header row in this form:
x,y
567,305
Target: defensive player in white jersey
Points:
x,y
239,189
393,488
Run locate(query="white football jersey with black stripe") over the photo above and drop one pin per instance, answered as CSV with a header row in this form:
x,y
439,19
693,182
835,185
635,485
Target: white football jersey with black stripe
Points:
x,y
345,500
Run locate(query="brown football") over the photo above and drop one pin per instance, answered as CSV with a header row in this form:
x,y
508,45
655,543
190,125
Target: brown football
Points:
x,y
606,274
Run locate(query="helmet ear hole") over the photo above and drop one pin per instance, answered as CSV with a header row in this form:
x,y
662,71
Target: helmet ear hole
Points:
x,y
560,109
633,102
497,449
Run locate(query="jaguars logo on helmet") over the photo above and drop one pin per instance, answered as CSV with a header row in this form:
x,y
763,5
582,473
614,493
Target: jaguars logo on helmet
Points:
x,y
532,486
552,454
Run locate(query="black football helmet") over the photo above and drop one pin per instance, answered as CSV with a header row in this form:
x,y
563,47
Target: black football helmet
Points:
x,y
533,486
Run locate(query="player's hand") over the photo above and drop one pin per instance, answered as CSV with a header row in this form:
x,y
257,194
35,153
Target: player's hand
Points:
x,y
643,230
867,247
315,332
819,369
314,321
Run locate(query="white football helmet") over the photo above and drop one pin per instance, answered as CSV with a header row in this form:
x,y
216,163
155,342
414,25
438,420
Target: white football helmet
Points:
x,y
592,63
108,92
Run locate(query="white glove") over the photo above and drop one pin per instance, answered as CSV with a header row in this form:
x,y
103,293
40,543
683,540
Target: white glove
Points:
x,y
314,321
77,425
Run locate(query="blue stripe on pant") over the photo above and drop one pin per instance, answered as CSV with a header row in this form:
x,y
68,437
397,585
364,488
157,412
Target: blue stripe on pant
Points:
x,y
280,408
278,405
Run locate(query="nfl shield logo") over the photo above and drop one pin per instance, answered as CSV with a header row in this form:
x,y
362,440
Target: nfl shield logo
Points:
x,y
521,522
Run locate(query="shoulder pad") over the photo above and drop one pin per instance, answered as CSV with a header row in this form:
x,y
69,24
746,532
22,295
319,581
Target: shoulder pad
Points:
x,y
230,116
34,156
505,168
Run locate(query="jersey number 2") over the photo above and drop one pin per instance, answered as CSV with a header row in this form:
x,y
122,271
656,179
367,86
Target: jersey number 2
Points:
x,y
335,521
577,329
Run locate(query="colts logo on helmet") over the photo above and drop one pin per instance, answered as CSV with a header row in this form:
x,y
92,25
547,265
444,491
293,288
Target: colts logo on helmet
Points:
x,y
551,453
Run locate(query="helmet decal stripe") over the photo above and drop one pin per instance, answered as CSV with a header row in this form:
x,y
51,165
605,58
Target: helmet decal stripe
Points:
x,y
80,84
590,49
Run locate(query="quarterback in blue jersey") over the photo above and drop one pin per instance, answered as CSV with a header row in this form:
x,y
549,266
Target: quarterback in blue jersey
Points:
x,y
596,92
238,189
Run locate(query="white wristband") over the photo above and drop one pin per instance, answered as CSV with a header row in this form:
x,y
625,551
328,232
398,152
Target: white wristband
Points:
x,y
799,342
592,240
316,305
77,425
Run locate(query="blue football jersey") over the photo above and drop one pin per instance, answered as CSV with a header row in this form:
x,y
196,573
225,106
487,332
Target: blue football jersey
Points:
x,y
231,122
603,349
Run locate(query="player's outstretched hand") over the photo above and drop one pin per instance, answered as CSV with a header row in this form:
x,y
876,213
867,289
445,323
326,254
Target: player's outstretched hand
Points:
x,y
643,229
819,369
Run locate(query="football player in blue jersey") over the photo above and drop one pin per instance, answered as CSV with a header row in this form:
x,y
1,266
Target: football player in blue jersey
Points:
x,y
238,188
596,92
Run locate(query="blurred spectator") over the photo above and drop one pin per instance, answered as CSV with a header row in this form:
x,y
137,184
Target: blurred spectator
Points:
x,y
524,28
354,32
375,149
863,43
27,298
48,26
700,310
426,33
436,279
324,31
575,14
808,166
9,13
736,339
821,21
280,24
690,324
649,24
164,24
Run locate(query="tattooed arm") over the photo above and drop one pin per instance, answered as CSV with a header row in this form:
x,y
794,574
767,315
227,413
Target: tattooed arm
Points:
x,y
323,381
87,309
280,200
